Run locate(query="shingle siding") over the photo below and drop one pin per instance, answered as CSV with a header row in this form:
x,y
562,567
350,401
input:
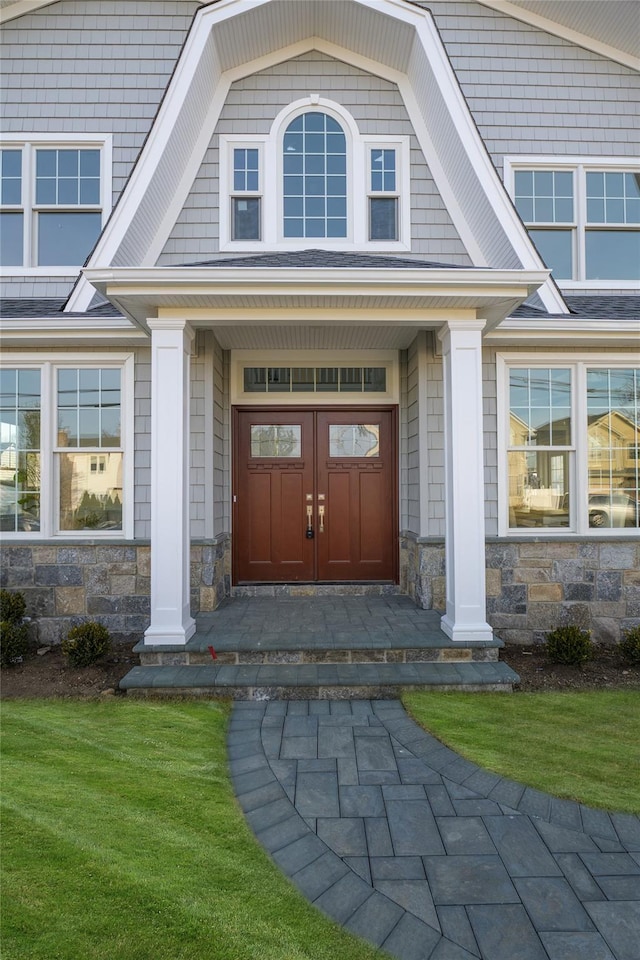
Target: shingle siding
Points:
x,y
251,107
509,71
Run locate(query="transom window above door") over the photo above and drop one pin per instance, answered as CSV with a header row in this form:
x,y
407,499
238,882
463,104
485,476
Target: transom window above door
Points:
x,y
314,178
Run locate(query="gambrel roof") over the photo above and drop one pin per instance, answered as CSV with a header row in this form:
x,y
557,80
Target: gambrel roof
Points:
x,y
394,39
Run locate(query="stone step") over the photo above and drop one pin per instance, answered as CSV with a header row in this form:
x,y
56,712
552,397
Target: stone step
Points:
x,y
295,681
199,654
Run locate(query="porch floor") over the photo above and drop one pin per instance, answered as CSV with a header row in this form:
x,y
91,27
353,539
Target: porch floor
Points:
x,y
317,647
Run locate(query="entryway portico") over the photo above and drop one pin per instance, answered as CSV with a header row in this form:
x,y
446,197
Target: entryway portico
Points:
x,y
347,303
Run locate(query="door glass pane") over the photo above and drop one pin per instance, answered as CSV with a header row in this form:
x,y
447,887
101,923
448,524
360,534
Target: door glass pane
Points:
x,y
538,489
354,440
276,440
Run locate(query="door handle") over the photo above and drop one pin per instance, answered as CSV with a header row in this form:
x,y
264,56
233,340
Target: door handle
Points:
x,y
309,533
321,518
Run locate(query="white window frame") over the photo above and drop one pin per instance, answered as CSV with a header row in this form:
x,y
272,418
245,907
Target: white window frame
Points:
x,y
579,166
358,182
49,481
578,449
30,209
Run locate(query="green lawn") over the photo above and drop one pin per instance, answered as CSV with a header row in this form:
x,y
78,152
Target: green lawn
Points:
x,y
121,840
583,746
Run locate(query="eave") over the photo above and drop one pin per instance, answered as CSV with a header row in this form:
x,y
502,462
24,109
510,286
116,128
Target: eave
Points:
x,y
71,332
564,332
411,297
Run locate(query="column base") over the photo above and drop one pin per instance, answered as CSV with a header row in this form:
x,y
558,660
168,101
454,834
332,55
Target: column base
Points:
x,y
170,636
463,633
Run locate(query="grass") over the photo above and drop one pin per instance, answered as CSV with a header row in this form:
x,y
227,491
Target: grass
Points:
x,y
122,840
581,746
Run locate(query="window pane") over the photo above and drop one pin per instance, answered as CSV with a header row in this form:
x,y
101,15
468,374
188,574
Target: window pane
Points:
x,y
375,379
66,239
278,380
613,428
354,440
540,411
613,254
90,499
89,408
351,380
20,450
276,440
246,218
11,239
538,489
326,379
302,380
555,248
10,176
383,213
322,144
544,196
255,380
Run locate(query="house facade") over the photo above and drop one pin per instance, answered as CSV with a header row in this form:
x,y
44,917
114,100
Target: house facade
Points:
x,y
306,295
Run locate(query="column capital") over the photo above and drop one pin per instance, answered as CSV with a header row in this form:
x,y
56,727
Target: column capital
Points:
x,y
171,323
473,325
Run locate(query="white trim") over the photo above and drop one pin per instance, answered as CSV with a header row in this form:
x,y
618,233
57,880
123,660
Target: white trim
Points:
x,y
239,359
566,33
271,172
20,7
179,90
578,363
30,209
171,621
48,365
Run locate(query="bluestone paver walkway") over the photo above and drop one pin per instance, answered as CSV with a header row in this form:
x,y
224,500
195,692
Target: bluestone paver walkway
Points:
x,y
423,853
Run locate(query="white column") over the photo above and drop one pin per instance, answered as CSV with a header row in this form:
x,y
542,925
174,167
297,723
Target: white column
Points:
x,y
465,618
171,621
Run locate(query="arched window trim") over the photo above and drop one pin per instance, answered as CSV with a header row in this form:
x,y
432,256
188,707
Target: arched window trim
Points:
x,y
358,179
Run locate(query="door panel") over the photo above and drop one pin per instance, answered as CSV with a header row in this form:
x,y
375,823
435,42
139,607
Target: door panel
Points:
x,y
355,457
274,476
341,461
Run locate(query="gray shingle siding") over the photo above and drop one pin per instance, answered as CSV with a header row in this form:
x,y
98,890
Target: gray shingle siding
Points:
x,y
251,107
509,70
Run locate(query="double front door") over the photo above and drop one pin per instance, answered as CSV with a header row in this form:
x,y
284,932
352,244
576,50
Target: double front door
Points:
x,y
314,495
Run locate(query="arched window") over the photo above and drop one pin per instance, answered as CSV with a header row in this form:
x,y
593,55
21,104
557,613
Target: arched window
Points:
x,y
314,188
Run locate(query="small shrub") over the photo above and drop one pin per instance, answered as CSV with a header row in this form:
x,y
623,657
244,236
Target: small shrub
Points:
x,y
569,645
86,643
12,606
13,642
630,645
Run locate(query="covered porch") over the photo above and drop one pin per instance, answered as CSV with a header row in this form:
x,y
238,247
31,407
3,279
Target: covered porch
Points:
x,y
352,303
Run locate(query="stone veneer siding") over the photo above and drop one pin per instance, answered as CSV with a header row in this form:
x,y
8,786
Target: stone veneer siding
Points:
x,y
68,584
534,586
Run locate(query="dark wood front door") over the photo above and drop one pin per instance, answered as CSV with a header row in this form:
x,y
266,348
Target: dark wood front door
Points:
x,y
314,495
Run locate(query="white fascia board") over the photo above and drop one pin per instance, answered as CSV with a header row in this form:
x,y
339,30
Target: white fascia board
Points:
x,y
179,89
565,332
73,330
20,7
271,279
564,32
